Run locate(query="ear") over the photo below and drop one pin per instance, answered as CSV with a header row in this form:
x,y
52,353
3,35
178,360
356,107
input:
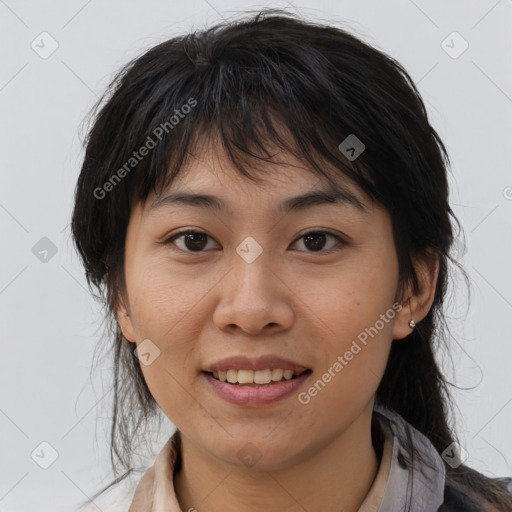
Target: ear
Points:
x,y
125,322
417,304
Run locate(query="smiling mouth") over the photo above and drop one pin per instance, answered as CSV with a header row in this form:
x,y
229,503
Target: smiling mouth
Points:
x,y
260,378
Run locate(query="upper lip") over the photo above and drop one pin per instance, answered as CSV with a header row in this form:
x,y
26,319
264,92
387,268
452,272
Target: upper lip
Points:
x,y
256,363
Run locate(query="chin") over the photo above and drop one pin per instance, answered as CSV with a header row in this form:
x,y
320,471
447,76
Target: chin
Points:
x,y
260,453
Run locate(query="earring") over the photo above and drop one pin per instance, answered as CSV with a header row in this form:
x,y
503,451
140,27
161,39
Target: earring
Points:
x,y
412,323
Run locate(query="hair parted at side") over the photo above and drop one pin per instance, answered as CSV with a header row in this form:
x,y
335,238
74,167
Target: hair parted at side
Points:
x,y
247,82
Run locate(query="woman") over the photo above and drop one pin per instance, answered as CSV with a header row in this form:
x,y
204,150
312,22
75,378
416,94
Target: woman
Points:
x,y
265,207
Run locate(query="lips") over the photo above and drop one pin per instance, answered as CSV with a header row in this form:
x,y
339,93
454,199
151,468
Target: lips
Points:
x,y
267,362
255,395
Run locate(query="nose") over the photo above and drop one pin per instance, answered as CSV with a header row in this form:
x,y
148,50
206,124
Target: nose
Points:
x,y
254,298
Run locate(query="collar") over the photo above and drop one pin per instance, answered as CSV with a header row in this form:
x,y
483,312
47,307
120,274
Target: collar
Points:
x,y
415,482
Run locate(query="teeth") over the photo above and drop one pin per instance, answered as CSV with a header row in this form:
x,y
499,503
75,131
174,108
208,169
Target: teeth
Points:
x,y
277,374
232,376
245,377
261,377
253,377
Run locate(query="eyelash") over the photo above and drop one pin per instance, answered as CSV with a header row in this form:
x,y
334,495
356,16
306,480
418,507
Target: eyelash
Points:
x,y
340,240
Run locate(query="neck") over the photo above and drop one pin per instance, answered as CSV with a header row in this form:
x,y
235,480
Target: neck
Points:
x,y
336,478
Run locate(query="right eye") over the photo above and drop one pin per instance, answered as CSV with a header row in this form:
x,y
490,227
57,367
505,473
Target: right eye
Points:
x,y
190,241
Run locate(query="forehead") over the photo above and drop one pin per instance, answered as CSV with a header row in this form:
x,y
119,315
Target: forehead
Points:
x,y
210,179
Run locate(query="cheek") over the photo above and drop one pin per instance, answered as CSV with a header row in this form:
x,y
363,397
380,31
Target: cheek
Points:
x,y
166,306
349,300
354,313
159,309
162,311
161,299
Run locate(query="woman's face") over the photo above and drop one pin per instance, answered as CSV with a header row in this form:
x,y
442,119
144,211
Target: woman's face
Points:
x,y
251,286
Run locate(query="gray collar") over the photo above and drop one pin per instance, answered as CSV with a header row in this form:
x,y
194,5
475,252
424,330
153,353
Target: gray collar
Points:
x,y
411,485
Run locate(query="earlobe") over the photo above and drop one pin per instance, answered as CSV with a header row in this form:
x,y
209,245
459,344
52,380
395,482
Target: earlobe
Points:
x,y
416,307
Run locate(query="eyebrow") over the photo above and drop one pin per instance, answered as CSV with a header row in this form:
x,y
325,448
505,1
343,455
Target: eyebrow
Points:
x,y
292,204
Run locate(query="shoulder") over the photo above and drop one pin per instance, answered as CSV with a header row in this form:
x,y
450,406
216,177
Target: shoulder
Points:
x,y
463,490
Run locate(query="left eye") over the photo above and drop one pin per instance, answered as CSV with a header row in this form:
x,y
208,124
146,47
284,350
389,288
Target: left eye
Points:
x,y
196,241
316,240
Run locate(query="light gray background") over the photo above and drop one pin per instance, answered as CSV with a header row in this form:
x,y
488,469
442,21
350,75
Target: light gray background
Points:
x,y
49,323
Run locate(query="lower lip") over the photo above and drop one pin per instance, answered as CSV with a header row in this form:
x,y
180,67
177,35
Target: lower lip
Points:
x,y
252,396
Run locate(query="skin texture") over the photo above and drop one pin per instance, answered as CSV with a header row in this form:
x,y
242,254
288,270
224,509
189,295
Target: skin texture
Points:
x,y
293,302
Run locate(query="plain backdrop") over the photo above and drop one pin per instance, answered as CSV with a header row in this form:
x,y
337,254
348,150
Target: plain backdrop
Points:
x,y
49,322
